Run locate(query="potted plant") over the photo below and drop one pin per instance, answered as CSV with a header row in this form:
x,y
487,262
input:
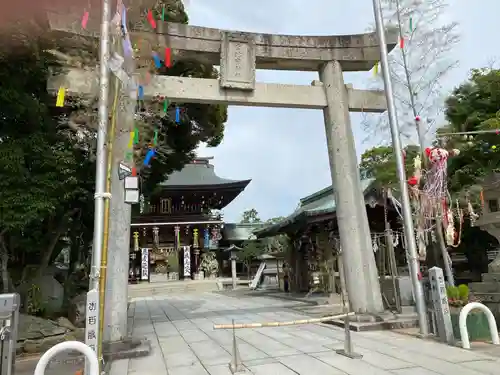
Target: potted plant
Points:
x,y
209,265
477,323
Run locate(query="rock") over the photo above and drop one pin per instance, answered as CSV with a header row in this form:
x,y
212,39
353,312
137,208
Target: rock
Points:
x,y
33,327
42,345
65,323
49,296
76,311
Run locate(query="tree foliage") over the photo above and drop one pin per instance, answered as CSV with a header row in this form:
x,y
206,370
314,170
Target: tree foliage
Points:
x,y
47,168
428,40
473,106
379,163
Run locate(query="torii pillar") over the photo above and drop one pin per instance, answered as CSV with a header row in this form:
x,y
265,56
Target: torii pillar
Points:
x,y
239,54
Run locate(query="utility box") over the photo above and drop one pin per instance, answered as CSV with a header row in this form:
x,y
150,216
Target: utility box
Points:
x,y
9,321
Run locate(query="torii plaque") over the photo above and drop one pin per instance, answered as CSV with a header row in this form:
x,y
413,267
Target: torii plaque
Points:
x,y
239,54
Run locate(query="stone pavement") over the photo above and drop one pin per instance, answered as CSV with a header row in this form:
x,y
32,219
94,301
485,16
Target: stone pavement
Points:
x,y
184,342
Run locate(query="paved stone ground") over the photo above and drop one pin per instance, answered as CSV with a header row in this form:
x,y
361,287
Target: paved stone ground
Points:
x,y
184,342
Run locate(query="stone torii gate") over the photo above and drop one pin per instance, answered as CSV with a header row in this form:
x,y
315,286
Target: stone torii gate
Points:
x,y
239,54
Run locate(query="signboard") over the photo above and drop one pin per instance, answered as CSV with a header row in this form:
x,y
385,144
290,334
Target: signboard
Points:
x,y
144,264
91,322
441,306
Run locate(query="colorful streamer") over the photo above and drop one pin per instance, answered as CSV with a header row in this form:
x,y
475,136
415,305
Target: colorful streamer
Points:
x,y
141,92
411,25
401,42
60,97
131,140
177,115
155,138
165,105
85,19
156,58
151,19
149,156
163,13
168,57
375,69
136,136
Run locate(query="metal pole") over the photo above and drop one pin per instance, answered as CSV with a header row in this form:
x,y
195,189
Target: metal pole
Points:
x,y
405,200
102,132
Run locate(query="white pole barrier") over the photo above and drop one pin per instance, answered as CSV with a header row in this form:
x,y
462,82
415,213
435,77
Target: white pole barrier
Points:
x,y
64,347
462,322
281,324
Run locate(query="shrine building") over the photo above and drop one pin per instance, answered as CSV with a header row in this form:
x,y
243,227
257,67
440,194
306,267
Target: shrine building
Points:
x,y
178,227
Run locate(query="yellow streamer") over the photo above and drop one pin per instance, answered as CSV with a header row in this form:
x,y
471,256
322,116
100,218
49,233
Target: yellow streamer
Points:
x,y
375,69
131,140
60,97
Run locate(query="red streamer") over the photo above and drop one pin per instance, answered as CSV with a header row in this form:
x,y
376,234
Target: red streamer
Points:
x,y
151,19
168,57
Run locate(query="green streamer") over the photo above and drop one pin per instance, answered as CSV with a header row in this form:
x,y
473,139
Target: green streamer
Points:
x,y
411,24
165,105
163,13
136,136
155,139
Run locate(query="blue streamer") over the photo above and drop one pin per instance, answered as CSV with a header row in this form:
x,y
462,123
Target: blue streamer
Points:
x,y
141,92
124,19
157,60
177,115
149,156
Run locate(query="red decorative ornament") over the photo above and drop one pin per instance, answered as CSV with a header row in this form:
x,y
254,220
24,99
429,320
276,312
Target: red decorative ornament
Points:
x,y
412,181
417,118
428,151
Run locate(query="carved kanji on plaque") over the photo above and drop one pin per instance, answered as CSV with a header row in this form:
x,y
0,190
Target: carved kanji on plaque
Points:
x,y
237,61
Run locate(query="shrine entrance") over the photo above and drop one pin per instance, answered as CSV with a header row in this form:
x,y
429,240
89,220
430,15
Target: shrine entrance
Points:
x,y
239,54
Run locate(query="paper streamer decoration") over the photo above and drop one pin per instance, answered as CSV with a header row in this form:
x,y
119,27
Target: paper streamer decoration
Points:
x,y
155,138
131,140
85,19
148,157
136,136
134,171
151,19
156,58
163,13
375,69
411,24
60,97
165,105
177,115
401,43
168,57
141,92
124,19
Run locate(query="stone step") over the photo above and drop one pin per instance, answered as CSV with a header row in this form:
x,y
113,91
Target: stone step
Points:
x,y
491,277
179,288
488,297
485,287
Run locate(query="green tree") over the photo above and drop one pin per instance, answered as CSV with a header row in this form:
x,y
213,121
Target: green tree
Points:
x,y
250,217
379,163
473,106
46,170
200,123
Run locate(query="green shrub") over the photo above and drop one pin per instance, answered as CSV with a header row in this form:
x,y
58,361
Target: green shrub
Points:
x,y
463,293
452,292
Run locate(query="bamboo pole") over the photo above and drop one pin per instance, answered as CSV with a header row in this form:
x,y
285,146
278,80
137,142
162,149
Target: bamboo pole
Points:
x,y
281,324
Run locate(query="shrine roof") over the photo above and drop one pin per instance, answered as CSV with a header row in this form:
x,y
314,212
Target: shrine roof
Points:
x,y
200,174
319,203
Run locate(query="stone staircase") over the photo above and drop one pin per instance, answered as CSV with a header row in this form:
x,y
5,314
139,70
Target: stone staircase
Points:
x,y
488,291
171,287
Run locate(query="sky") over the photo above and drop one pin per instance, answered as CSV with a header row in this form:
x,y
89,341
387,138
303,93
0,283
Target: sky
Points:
x,y
284,151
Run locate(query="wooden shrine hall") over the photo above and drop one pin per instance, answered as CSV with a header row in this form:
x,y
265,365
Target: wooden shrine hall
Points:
x,y
181,221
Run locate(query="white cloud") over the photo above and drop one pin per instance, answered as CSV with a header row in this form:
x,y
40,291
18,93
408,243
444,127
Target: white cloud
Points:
x,y
283,151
